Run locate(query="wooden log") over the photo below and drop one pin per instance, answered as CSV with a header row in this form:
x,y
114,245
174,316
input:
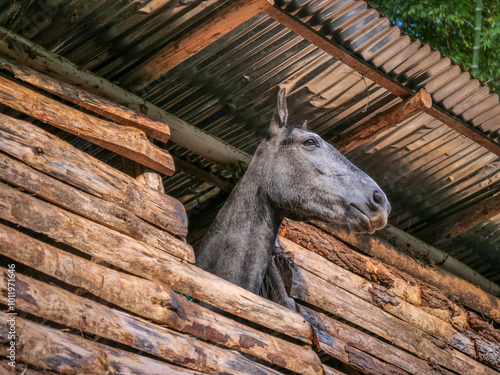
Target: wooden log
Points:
x,y
52,349
91,207
376,295
6,369
156,302
148,262
194,41
327,328
331,371
125,141
382,122
53,156
118,113
311,289
62,307
451,285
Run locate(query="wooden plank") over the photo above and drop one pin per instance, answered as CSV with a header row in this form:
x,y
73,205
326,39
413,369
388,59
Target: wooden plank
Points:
x,y
382,122
148,262
452,286
52,349
194,41
118,113
51,155
156,302
62,307
376,295
126,141
318,292
198,141
106,213
327,328
377,76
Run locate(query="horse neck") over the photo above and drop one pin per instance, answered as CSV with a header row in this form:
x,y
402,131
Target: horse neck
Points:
x,y
243,234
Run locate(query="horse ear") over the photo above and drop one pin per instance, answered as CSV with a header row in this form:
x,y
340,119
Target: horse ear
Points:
x,y
280,115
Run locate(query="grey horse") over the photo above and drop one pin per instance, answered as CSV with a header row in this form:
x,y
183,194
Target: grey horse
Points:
x,y
294,173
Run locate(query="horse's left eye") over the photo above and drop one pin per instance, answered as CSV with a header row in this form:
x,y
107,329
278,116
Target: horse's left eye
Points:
x,y
310,142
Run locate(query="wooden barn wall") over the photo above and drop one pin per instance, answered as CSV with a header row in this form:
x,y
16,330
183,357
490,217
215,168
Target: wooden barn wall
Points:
x,y
102,280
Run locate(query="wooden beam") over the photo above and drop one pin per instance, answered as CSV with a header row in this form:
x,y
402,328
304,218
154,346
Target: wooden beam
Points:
x,y
454,287
118,113
125,141
383,121
369,71
106,213
53,156
198,141
445,230
155,301
148,262
52,349
194,41
60,306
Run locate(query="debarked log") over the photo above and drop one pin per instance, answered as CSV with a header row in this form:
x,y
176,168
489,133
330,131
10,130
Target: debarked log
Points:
x,y
8,367
118,113
126,141
309,288
376,295
62,307
145,261
103,212
52,349
155,301
53,156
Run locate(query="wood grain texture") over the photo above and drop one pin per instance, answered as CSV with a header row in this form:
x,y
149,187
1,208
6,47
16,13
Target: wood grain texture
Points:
x,y
49,154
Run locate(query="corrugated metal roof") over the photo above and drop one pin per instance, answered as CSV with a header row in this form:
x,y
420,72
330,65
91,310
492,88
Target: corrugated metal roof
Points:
x,y
429,170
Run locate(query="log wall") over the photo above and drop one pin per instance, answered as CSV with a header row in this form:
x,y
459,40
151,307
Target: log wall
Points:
x,y
103,281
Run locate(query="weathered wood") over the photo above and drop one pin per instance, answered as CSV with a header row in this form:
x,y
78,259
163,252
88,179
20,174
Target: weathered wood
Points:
x,y
51,155
95,209
444,231
49,348
331,371
376,295
451,285
194,41
155,301
125,141
403,240
372,73
118,113
382,122
318,292
145,261
60,306
327,328
33,55
6,369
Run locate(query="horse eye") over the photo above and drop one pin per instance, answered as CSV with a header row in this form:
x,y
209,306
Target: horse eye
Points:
x,y
310,142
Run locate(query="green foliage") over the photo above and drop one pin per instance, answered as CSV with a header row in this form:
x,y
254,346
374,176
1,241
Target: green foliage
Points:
x,y
448,26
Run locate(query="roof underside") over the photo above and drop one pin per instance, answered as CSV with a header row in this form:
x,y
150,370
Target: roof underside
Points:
x,y
429,171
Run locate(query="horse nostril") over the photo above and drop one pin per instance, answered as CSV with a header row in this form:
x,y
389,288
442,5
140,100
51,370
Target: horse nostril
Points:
x,y
378,198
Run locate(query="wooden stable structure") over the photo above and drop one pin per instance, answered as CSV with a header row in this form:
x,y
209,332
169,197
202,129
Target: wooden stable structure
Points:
x,y
105,281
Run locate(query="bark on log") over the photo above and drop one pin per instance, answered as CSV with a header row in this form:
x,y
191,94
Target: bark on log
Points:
x,y
451,285
194,41
30,54
145,261
126,141
376,295
118,113
88,206
317,292
383,121
155,301
49,348
327,328
62,307
53,156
